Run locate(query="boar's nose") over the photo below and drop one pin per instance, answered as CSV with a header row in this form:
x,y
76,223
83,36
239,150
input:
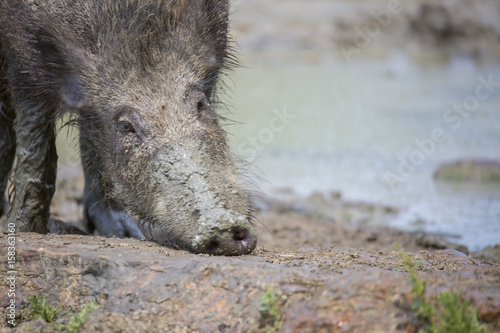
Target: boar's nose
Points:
x,y
235,241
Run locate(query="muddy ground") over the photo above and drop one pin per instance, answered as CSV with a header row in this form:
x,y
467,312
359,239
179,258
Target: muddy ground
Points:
x,y
330,268
318,31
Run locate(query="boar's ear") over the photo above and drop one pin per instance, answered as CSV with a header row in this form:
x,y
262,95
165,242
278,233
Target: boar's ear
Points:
x,y
215,34
218,26
59,56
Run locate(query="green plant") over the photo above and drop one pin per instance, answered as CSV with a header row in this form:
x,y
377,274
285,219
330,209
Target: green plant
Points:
x,y
425,311
37,307
445,313
269,309
78,319
457,315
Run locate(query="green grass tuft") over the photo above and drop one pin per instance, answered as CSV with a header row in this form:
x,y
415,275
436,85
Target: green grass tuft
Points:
x,y
270,311
37,307
447,312
78,319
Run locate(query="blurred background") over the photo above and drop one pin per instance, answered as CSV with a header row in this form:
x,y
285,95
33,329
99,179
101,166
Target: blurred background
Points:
x,y
388,102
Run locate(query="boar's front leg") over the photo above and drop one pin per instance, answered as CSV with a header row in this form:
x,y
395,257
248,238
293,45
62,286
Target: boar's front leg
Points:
x,y
35,170
102,214
105,215
7,141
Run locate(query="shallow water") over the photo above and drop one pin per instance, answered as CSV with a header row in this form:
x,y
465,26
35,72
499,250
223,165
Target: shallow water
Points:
x,y
375,131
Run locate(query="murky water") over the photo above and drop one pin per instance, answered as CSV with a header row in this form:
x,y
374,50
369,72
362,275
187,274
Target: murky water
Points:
x,y
376,131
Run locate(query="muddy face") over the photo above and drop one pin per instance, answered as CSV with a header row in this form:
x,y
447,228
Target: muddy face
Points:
x,y
163,155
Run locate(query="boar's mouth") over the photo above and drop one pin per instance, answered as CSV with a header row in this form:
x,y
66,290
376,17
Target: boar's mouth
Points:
x,y
231,235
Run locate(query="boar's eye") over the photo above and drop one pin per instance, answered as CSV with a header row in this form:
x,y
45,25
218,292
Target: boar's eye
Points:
x,y
203,105
126,127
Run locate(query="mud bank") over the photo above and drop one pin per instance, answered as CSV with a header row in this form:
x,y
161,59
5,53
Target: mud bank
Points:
x,y
317,31
142,286
475,171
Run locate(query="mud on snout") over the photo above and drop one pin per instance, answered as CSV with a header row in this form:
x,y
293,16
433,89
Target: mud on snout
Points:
x,y
199,206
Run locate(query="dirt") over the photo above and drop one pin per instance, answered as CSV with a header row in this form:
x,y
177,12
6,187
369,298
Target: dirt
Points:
x,y
332,268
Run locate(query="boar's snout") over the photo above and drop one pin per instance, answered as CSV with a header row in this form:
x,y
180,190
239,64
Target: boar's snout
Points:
x,y
198,203
224,232
235,240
